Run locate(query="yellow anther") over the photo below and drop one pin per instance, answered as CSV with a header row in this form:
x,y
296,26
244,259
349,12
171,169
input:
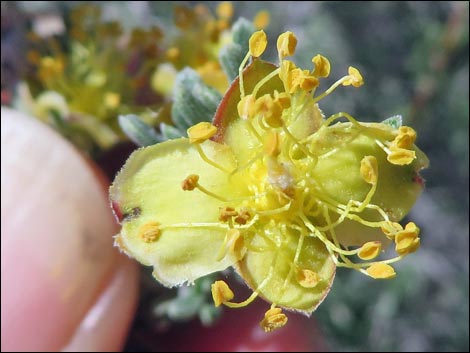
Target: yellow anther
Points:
x,y
370,250
272,144
381,271
257,44
201,132
243,216
406,137
274,318
246,107
225,9
369,171
391,229
307,82
173,53
407,239
190,183
227,213
150,232
270,110
354,78
221,293
112,100
400,156
286,44
322,66
294,78
283,99
262,19
285,74
307,278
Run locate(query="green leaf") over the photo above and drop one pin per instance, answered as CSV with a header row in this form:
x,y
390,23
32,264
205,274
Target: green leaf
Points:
x,y
194,101
232,54
242,30
138,131
170,132
394,121
230,58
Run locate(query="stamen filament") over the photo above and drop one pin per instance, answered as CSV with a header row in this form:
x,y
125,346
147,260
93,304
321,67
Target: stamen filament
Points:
x,y
209,161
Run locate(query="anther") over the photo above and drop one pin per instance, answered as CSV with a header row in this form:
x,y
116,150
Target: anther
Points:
x,y
380,270
286,44
227,213
370,250
354,78
190,183
150,232
201,132
368,169
322,66
274,318
221,293
307,278
257,43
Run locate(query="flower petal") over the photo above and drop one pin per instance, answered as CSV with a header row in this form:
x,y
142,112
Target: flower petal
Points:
x,y
286,286
148,191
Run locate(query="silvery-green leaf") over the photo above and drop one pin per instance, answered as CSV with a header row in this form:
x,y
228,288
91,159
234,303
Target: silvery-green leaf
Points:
x,y
138,131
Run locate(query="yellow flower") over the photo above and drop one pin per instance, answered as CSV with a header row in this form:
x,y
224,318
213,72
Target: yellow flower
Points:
x,y
272,188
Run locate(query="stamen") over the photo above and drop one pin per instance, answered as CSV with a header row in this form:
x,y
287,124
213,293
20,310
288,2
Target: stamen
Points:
x,y
322,66
201,132
355,78
307,278
257,43
368,170
227,213
210,161
150,232
401,156
370,250
286,44
243,216
274,318
381,271
192,181
221,293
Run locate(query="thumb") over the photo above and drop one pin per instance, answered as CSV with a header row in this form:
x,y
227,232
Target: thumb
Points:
x,y
63,284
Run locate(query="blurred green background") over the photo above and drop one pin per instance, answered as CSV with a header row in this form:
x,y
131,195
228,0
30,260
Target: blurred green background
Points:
x,y
415,62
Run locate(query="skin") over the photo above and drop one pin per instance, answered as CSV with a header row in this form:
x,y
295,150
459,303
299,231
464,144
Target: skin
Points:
x,y
64,286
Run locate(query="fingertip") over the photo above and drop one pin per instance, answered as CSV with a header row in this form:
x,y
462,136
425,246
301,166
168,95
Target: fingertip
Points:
x,y
57,251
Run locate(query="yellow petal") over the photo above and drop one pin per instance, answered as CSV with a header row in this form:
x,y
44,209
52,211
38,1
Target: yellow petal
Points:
x,y
148,189
283,287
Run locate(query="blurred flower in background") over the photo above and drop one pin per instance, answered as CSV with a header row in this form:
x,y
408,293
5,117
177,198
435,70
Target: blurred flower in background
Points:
x,y
414,58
